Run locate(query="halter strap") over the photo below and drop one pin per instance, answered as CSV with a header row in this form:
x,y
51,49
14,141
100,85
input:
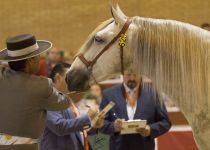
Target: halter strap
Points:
x,y
84,60
89,64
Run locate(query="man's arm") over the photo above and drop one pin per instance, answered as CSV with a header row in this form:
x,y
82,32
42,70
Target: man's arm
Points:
x,y
55,100
61,126
108,127
162,124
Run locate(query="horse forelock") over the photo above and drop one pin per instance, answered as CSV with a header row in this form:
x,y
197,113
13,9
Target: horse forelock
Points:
x,y
175,56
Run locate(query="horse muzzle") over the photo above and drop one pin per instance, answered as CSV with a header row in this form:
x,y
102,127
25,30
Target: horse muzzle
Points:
x,y
77,80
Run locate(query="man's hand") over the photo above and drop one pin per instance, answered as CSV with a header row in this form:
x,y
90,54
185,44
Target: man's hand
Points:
x,y
95,122
92,112
118,125
144,131
99,123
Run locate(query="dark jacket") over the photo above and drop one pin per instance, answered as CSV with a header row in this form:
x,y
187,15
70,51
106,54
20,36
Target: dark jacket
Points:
x,y
148,108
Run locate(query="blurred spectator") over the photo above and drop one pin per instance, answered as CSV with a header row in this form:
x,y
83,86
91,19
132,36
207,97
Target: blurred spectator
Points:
x,y
95,90
5,64
54,56
43,67
89,100
92,98
205,26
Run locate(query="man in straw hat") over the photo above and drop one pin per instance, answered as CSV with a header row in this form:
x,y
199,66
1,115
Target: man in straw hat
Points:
x,y
135,99
24,97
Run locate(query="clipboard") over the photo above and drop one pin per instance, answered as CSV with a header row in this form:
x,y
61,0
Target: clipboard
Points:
x,y
130,126
103,112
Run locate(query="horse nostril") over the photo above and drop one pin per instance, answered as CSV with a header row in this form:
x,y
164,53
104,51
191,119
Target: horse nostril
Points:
x,y
77,80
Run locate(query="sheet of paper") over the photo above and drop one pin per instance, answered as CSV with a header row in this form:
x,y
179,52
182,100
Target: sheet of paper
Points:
x,y
130,126
103,112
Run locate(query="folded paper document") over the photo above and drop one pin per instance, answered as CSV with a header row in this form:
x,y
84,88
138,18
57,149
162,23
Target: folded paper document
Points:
x,y
130,126
103,112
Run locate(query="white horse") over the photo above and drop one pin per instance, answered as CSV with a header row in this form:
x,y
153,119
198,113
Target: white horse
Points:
x,y
173,54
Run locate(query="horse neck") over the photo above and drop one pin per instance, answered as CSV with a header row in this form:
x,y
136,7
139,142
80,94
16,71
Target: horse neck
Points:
x,y
174,56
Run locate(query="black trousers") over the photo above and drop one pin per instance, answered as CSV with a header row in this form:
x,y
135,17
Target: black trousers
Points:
x,y
131,142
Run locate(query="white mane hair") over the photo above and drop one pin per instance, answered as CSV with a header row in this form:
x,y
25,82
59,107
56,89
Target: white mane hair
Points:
x,y
175,56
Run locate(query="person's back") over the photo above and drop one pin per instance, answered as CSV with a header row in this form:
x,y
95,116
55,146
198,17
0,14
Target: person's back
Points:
x,y
23,101
24,97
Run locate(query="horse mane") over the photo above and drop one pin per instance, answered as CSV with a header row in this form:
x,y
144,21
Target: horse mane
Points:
x,y
175,56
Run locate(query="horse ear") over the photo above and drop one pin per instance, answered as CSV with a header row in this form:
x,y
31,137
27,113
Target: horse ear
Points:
x,y
117,17
120,12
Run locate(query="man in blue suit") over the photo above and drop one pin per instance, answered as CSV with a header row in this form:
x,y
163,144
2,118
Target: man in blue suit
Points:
x,y
66,130
134,99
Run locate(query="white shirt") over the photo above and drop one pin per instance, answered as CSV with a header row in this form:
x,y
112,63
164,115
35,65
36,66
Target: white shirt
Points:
x,y
132,93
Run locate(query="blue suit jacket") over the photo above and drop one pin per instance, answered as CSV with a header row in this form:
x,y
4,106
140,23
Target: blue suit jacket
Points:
x,y
62,131
148,108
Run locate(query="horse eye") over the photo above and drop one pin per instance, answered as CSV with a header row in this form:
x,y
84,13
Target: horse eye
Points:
x,y
98,39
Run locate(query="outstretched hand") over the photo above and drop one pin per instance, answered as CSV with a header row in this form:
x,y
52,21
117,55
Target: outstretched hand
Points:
x,y
96,121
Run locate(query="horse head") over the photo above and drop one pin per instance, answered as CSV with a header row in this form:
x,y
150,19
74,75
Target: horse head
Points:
x,y
93,62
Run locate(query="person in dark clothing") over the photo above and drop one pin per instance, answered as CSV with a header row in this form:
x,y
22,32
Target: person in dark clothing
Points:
x,y
134,99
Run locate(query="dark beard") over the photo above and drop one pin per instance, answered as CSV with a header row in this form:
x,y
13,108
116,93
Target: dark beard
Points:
x,y
131,84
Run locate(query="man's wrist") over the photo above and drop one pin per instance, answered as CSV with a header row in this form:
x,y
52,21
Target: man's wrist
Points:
x,y
148,130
